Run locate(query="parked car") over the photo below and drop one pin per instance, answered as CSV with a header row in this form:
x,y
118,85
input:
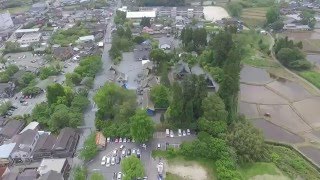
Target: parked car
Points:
x,y
138,153
167,132
118,159
108,139
179,132
103,161
188,132
120,140
116,140
108,161
113,161
128,152
115,152
119,176
171,133
184,133
123,153
124,140
159,146
128,140
114,176
133,151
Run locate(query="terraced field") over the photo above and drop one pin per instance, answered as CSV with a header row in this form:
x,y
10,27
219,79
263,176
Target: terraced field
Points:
x,y
254,16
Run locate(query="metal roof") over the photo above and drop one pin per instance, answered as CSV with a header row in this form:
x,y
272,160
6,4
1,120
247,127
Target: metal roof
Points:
x,y
6,149
141,14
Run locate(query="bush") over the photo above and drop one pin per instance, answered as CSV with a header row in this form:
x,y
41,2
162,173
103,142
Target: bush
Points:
x,y
45,72
90,148
31,90
89,66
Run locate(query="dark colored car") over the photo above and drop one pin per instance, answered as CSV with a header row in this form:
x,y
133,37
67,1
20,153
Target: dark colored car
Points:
x,y
128,152
118,159
114,176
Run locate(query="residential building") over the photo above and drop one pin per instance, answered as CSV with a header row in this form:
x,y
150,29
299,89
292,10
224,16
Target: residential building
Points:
x,y
28,174
63,53
5,154
5,21
28,39
32,126
51,175
20,32
142,51
39,8
43,148
66,143
12,128
138,15
61,166
101,141
26,142
84,39
190,12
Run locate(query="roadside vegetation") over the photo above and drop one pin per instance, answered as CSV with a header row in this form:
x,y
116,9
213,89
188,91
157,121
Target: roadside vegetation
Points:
x,y
132,168
79,173
90,149
311,76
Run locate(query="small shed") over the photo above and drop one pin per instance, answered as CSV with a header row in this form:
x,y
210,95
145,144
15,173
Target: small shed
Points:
x,y
100,141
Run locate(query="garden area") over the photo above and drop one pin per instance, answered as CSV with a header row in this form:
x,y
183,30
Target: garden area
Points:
x,y
69,36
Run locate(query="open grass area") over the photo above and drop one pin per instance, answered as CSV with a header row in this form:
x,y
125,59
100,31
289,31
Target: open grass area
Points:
x,y
16,10
260,62
312,76
250,170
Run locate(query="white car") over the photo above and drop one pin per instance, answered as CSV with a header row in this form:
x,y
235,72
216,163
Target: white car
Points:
x,y
133,151
108,139
184,133
120,140
188,132
115,152
108,162
123,153
179,132
159,146
171,133
119,176
124,140
103,161
113,161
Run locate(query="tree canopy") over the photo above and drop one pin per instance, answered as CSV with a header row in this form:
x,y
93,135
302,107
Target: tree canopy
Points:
x,y
89,149
132,168
235,9
160,96
142,126
273,15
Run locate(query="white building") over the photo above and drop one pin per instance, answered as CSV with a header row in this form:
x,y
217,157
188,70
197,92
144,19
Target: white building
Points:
x,y
138,15
85,39
27,39
20,32
5,21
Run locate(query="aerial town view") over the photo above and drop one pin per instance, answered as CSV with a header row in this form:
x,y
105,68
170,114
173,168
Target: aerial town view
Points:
x,y
159,89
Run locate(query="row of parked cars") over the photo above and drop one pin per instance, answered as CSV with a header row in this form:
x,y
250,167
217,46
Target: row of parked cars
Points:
x,y
120,140
119,175
118,155
169,133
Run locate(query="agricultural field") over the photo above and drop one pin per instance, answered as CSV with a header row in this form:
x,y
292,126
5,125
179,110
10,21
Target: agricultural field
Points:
x,y
253,17
16,10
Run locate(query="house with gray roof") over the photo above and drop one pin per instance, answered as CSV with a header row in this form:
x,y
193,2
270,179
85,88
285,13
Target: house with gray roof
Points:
x,y
51,175
26,142
43,148
66,143
12,128
60,166
5,153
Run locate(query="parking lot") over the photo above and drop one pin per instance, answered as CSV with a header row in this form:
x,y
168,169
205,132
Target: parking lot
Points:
x,y
25,59
150,164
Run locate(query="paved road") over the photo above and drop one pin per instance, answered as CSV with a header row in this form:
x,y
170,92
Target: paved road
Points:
x,y
100,80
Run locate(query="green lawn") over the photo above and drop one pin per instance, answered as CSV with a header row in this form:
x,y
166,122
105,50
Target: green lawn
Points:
x,y
312,76
251,170
170,176
16,10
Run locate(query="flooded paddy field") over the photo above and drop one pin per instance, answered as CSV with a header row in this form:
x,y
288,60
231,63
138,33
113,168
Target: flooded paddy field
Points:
x,y
254,75
314,59
309,109
281,115
249,110
312,153
276,133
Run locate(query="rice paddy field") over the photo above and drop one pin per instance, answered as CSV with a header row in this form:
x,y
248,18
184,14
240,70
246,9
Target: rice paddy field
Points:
x,y
253,17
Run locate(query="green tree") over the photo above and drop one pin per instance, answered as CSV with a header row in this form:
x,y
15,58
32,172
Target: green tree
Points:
x,y
132,168
53,92
273,15
31,90
73,79
4,77
4,107
308,18
142,126
80,102
41,114
26,79
59,118
247,141
158,56
128,33
80,173
222,44
12,69
214,109
229,87
160,96
235,9
164,79
278,25
175,110
90,149
145,22
96,176
45,72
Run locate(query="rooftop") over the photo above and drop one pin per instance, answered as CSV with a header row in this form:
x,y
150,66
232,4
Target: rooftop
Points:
x,y
51,164
6,149
32,125
11,128
51,175
141,14
27,30
31,36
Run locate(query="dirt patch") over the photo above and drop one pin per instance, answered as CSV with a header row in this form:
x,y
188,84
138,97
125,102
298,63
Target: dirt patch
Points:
x,y
269,177
214,13
191,171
